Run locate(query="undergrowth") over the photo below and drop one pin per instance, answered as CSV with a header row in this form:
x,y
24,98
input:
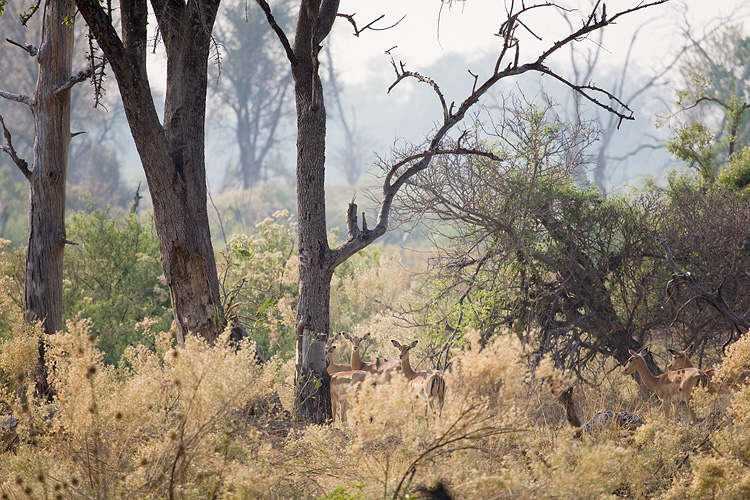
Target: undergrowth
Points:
x,y
207,422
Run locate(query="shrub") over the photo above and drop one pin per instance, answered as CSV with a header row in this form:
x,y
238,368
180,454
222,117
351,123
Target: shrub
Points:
x,y
114,278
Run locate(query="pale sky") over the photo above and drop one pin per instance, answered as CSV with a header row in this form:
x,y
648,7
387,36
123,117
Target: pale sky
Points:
x,y
468,28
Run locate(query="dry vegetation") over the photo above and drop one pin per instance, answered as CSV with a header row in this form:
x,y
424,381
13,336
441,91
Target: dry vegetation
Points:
x,y
200,422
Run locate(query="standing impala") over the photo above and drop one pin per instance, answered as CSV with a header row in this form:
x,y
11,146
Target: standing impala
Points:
x,y
670,387
429,383
681,359
341,382
384,368
332,367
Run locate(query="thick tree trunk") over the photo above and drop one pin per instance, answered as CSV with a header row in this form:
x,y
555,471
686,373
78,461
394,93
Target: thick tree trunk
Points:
x,y
44,256
172,154
312,400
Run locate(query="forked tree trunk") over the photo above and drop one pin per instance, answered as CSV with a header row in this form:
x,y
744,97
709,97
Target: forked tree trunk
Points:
x,y
312,396
47,177
173,153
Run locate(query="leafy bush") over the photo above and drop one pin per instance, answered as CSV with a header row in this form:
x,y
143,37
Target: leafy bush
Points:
x,y
113,276
736,175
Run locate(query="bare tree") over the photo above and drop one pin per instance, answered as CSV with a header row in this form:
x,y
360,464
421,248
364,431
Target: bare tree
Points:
x,y
317,259
583,63
255,86
47,175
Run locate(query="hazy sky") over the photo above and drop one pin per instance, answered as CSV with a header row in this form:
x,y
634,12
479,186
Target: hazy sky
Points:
x,y
428,36
468,28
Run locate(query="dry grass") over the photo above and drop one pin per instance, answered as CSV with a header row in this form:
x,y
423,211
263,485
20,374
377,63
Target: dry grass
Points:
x,y
193,422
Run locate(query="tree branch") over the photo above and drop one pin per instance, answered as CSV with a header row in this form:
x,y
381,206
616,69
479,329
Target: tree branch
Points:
x,y
582,89
33,51
369,26
279,32
715,300
404,73
23,99
82,75
20,163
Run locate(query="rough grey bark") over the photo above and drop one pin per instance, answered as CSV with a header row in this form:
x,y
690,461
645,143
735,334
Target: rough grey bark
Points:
x,y
172,153
315,267
50,106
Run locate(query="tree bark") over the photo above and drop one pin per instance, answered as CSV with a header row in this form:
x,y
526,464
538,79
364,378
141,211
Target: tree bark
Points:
x,y
51,110
314,268
173,153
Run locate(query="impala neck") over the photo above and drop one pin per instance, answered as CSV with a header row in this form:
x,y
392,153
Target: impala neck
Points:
x,y
356,361
406,366
649,379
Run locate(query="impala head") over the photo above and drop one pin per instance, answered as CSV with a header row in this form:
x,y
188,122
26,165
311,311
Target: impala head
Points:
x,y
329,354
404,348
632,365
355,340
680,359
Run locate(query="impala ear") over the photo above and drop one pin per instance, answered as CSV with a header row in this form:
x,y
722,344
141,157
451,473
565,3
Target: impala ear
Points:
x,y
413,344
674,353
366,336
398,346
633,353
346,336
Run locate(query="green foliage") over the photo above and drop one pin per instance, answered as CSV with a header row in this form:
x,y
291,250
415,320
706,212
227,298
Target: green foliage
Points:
x,y
259,279
736,175
343,493
694,144
113,276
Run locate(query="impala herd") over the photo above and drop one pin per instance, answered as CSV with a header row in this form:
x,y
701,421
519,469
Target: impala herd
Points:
x,y
671,387
346,379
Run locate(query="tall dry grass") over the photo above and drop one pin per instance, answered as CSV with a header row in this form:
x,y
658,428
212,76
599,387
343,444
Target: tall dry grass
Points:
x,y
195,422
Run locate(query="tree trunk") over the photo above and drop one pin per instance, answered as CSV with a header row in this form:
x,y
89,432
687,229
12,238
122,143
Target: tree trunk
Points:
x,y
44,256
312,401
172,154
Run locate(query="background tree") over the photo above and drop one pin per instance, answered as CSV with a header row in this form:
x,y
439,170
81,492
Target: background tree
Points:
x,y
633,84
172,152
715,99
317,259
253,85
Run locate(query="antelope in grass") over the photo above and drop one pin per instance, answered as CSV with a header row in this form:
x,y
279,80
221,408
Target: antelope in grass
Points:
x,y
331,366
384,368
430,384
670,387
342,385
681,359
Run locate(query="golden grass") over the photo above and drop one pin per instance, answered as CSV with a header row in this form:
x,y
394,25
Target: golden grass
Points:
x,y
194,422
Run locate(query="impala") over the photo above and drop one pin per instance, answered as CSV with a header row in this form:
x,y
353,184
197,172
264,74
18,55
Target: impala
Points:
x,y
331,366
681,359
670,387
429,383
341,382
384,367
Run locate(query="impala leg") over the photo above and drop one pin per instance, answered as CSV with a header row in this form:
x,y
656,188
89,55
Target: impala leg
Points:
x,y
343,410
